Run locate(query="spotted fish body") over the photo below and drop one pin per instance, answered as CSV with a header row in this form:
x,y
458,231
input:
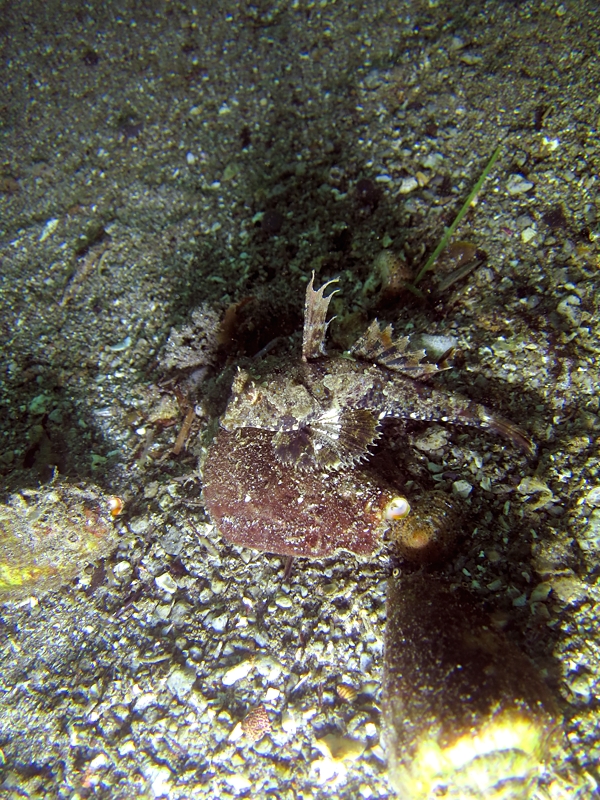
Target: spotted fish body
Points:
x,y
327,412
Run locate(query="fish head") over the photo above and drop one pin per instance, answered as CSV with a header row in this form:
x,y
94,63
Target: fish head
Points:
x,y
276,402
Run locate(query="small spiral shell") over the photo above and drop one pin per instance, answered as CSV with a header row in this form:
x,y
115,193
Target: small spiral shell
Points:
x,y
398,508
346,692
430,532
115,505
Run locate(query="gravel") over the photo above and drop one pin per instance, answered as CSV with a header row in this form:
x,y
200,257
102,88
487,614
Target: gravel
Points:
x,y
165,157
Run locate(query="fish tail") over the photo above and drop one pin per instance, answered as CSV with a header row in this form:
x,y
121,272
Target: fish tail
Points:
x,y
505,428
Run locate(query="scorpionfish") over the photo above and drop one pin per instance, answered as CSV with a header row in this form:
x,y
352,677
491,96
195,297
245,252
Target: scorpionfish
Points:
x,y
327,412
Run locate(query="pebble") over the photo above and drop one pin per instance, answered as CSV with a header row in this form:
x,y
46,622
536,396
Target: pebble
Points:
x,y
569,309
39,404
373,80
408,185
268,667
166,583
365,662
239,783
435,345
518,184
540,593
592,498
569,589
283,601
172,541
237,673
591,535
471,59
101,760
432,160
264,746
126,748
236,733
144,701
528,234
122,345
180,683
219,623
462,489
121,570
160,781
582,685
288,723
340,748
162,611
48,229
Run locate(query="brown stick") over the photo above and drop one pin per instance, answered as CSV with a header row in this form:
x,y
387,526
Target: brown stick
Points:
x,y
184,431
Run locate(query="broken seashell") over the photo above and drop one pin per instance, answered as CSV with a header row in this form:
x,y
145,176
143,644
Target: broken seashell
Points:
x,y
465,713
48,536
430,532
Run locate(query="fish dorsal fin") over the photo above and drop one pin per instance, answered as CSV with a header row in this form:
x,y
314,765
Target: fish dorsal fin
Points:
x,y
315,327
379,347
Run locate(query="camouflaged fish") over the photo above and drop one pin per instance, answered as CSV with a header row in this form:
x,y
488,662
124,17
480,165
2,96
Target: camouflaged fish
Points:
x,y
327,412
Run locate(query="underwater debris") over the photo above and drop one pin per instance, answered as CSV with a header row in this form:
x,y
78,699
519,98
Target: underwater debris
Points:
x,y
327,412
256,501
184,431
466,714
459,217
48,536
256,723
195,343
91,260
430,532
392,274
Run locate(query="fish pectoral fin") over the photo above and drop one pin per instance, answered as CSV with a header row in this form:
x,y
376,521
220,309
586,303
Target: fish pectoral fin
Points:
x,y
329,442
294,449
346,440
359,430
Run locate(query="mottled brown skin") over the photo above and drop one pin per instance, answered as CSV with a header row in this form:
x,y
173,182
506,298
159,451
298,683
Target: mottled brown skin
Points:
x,y
255,501
328,413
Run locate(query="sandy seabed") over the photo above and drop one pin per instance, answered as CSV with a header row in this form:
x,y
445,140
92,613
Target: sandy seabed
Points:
x,y
165,156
